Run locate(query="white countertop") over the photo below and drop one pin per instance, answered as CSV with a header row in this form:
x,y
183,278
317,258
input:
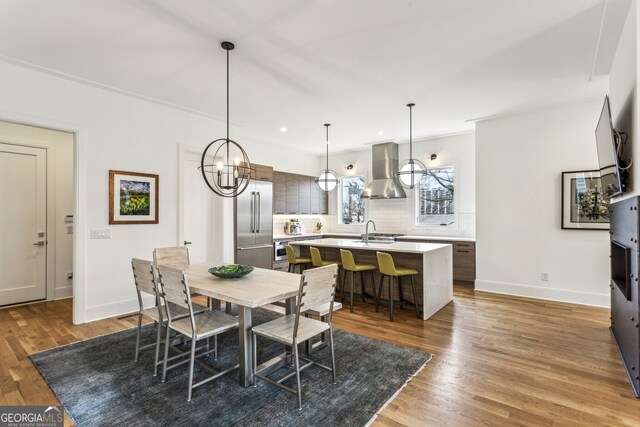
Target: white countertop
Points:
x,y
448,239
407,247
295,236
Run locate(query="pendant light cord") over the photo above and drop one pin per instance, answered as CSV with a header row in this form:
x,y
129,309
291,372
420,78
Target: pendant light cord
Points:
x,y
327,144
410,131
228,107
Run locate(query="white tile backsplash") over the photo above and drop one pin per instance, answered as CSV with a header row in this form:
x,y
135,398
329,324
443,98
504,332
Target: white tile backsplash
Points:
x,y
397,216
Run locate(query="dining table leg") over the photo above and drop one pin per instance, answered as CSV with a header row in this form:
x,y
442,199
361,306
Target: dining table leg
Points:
x,y
245,349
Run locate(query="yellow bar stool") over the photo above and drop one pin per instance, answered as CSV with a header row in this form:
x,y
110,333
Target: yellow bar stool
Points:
x,y
388,269
317,261
349,264
295,261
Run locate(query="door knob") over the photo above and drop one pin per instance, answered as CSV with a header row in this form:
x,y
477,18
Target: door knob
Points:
x,y
39,243
187,243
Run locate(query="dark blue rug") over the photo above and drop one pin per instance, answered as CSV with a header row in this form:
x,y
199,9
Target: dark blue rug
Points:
x,y
98,383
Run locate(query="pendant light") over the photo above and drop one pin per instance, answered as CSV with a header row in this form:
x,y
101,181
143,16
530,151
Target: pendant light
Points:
x,y
412,170
327,180
225,165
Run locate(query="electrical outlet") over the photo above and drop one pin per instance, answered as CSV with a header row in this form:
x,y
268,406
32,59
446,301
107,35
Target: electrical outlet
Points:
x,y
544,277
102,233
69,274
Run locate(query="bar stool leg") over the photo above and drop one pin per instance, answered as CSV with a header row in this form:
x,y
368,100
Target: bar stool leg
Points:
x,y
353,284
391,298
377,300
362,286
415,297
373,288
401,296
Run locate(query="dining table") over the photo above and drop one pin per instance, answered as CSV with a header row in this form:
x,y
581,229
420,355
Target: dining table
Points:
x,y
258,288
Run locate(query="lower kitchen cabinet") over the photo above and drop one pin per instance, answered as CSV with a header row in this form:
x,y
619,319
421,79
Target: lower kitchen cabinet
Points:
x,y
464,257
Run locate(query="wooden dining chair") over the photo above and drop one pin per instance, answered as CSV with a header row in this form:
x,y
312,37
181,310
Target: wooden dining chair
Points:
x,y
145,279
317,287
173,256
176,256
175,289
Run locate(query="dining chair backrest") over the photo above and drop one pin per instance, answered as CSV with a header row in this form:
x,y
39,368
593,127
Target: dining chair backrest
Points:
x,y
291,254
143,276
317,287
316,258
175,287
386,264
348,263
178,255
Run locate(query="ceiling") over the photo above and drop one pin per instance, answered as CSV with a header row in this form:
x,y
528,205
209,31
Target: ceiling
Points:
x,y
300,64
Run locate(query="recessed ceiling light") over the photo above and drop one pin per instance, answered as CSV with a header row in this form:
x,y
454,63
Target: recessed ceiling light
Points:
x,y
283,129
380,132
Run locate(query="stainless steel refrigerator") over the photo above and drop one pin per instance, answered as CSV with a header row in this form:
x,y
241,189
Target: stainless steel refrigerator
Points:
x,y
254,225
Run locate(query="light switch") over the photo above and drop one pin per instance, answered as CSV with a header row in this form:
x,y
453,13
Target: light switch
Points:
x,y
100,233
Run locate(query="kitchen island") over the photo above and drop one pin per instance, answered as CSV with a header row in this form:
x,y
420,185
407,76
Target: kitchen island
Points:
x,y
433,261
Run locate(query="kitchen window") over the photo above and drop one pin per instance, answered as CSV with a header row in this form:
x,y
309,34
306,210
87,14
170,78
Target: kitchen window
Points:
x,y
435,202
350,205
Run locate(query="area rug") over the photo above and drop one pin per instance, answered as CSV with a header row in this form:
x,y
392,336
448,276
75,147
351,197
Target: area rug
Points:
x,y
98,383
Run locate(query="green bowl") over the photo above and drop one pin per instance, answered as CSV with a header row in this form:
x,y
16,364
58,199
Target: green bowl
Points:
x,y
231,271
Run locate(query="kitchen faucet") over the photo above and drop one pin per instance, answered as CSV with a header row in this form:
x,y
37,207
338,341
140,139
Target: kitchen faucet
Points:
x,y
366,230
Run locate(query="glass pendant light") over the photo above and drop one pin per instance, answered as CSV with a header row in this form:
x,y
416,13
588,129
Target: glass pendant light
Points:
x,y
412,170
225,165
327,179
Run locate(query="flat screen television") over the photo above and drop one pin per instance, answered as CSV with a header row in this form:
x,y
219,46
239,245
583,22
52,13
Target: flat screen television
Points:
x,y
608,155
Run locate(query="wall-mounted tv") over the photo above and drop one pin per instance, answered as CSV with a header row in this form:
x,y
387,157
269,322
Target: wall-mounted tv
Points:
x,y
608,144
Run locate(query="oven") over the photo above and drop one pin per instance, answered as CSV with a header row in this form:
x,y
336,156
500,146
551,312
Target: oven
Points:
x,y
279,251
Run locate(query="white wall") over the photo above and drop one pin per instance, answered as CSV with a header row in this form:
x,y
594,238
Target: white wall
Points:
x,y
398,215
115,131
519,161
59,147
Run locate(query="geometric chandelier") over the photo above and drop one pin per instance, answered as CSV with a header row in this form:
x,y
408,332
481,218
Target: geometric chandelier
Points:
x,y
225,165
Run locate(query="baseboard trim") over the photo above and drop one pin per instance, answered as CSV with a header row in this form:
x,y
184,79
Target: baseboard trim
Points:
x,y
114,309
560,295
61,293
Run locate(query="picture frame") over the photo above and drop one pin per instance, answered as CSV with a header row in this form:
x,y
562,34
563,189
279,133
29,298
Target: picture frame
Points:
x,y
133,197
583,204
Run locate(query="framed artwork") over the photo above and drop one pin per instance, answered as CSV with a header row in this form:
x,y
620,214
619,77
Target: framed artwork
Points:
x,y
583,204
133,198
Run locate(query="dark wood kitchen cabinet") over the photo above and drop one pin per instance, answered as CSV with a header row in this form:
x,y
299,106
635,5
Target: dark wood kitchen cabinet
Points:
x,y
295,194
279,193
304,194
464,257
292,196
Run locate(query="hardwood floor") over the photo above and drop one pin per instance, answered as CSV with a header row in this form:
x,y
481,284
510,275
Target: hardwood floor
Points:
x,y
498,360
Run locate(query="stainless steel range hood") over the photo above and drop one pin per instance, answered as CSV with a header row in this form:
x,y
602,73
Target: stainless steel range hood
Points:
x,y
385,184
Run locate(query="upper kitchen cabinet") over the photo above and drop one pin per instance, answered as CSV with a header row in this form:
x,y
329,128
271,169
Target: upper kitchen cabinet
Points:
x,y
304,194
279,193
263,173
292,196
319,201
297,195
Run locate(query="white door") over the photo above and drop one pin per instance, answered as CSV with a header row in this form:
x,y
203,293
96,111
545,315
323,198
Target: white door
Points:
x,y
201,214
23,219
